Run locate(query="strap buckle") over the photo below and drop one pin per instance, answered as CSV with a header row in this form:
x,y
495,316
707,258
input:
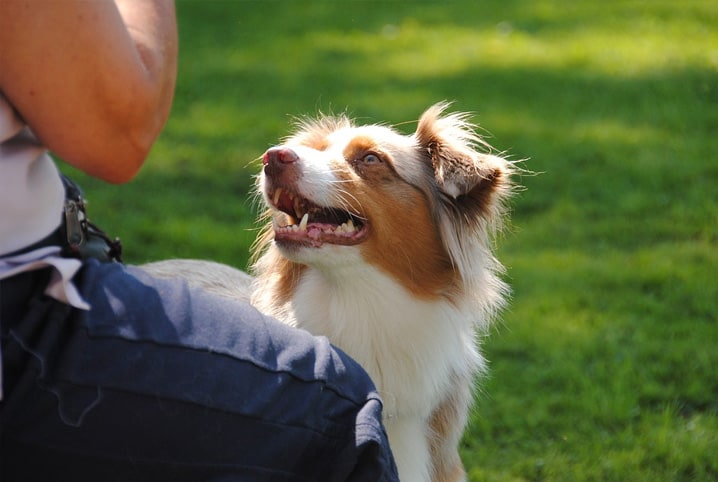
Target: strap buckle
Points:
x,y
84,239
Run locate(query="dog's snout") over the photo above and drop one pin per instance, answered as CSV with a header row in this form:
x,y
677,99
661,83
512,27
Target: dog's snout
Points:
x,y
282,155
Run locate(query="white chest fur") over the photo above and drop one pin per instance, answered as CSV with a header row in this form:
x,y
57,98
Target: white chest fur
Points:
x,y
410,347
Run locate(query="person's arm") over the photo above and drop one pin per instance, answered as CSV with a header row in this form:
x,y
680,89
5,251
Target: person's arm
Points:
x,y
93,79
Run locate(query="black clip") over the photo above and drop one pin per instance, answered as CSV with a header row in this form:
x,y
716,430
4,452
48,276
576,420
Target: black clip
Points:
x,y
74,224
84,239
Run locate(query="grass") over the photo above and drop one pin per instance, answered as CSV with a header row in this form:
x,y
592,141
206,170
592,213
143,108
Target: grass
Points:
x,y
605,367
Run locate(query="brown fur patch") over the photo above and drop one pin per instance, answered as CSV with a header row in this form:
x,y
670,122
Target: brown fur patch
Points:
x,y
404,242
317,142
444,423
359,147
287,276
274,272
313,132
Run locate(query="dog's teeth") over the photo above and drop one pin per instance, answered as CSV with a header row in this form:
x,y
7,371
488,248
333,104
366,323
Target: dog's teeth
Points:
x,y
304,221
277,193
349,226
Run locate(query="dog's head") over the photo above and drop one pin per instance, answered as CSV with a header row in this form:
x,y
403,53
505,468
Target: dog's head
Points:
x,y
420,207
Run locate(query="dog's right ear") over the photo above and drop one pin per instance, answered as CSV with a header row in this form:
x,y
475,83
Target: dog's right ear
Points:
x,y
470,178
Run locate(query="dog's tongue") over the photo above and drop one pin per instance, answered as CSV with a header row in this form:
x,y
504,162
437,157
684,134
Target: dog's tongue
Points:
x,y
317,234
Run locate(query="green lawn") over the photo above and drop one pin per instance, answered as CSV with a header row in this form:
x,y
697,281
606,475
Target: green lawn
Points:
x,y
605,366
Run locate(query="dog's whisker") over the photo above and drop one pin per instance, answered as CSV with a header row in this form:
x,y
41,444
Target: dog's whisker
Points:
x,y
348,206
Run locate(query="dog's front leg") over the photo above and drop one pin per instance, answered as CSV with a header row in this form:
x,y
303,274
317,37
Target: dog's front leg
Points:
x,y
409,440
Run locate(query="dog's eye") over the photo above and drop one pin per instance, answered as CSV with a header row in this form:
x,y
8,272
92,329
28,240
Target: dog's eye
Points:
x,y
371,159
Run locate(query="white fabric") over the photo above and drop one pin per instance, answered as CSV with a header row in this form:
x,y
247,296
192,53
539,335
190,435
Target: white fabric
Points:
x,y
60,286
31,191
31,201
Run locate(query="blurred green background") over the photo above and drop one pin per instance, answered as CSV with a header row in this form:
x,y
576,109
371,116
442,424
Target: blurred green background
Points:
x,y
605,366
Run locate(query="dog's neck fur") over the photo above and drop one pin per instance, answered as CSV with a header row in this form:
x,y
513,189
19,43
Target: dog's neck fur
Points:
x,y
380,323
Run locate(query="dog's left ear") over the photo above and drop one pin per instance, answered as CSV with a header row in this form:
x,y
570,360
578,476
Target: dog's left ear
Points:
x,y
460,170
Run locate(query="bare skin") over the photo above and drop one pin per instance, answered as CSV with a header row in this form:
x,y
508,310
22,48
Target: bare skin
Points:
x,y
93,79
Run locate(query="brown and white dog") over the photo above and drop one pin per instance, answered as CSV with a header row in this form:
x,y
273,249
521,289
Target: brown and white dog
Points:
x,y
383,243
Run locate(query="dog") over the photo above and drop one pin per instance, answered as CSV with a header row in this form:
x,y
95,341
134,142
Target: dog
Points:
x,y
383,242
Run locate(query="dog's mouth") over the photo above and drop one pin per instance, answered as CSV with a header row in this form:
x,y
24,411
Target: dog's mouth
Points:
x,y
306,223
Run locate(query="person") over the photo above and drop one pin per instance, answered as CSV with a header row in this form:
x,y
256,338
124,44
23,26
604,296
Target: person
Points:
x,y
111,374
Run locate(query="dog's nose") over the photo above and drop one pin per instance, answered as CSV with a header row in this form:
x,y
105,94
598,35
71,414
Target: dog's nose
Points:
x,y
282,155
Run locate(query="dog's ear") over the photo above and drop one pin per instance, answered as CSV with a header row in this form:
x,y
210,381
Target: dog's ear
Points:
x,y
470,178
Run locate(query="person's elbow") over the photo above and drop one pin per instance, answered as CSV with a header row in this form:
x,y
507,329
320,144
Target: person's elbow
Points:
x,y
115,156
133,148
119,143
124,162
139,123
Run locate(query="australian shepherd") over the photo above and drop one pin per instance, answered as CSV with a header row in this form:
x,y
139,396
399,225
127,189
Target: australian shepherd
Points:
x,y
382,242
